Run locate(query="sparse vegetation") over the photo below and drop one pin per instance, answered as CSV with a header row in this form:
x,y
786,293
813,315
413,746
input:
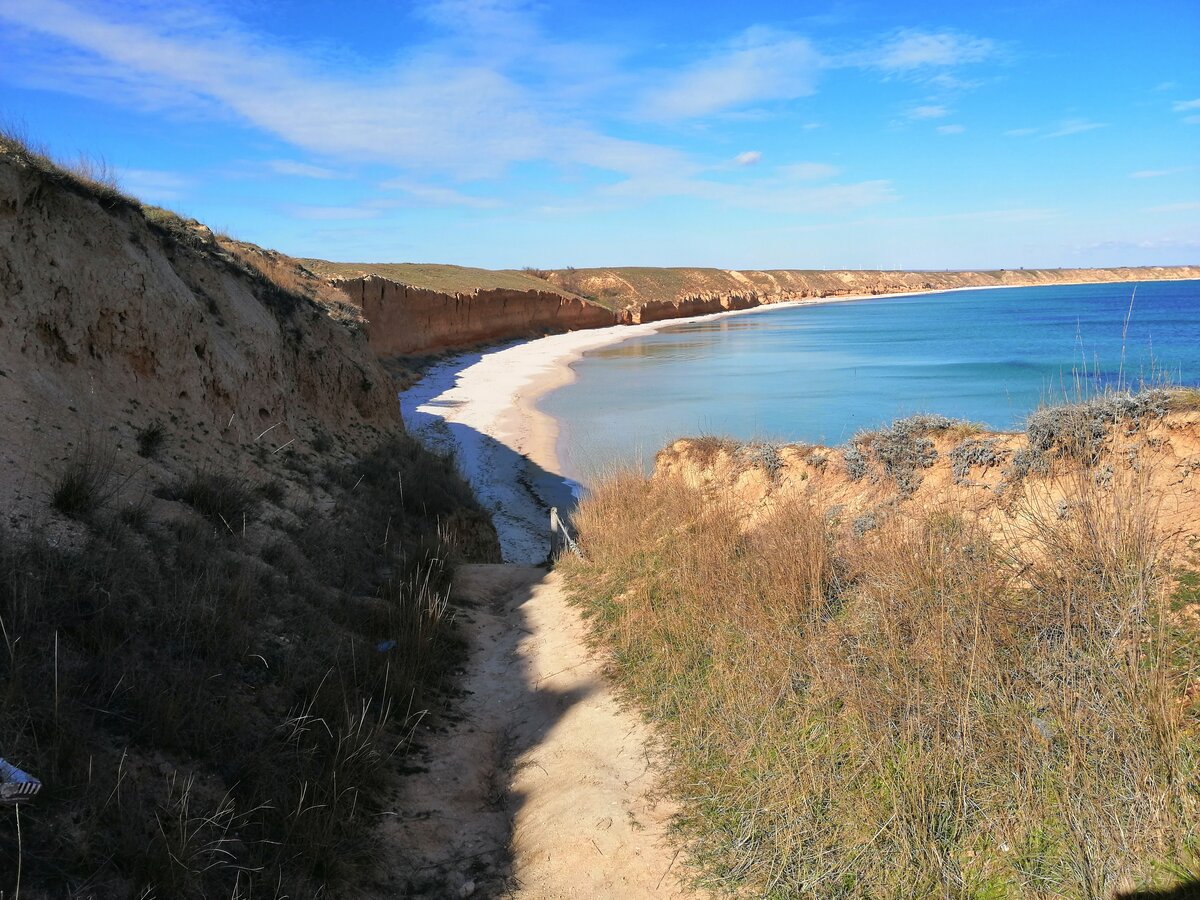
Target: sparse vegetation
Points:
x,y
903,449
931,708
212,715
762,456
87,481
150,439
223,498
90,177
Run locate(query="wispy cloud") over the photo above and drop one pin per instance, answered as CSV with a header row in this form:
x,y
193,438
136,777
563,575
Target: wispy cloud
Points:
x,y
928,112
434,195
759,65
1185,105
951,129
1158,173
484,90
1064,128
430,110
291,167
911,49
1068,127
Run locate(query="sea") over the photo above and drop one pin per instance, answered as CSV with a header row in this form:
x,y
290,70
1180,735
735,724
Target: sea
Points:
x,y
820,373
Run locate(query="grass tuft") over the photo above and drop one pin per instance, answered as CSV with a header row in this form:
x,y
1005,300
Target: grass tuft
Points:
x,y
86,484
218,496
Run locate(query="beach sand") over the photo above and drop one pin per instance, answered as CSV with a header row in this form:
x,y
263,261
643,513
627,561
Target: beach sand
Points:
x,y
482,408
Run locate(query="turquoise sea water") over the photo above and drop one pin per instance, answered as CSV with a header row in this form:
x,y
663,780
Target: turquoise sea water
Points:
x,y
820,373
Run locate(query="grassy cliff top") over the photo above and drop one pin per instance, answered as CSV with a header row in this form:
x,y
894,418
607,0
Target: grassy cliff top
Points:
x,y
452,279
625,287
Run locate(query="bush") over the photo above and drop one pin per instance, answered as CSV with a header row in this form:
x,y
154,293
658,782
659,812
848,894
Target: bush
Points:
x,y
225,499
86,483
150,439
983,453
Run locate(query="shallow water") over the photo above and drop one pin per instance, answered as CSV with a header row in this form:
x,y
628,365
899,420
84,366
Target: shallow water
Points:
x,y
820,373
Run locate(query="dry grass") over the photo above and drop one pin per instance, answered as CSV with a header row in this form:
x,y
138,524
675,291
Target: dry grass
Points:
x,y
213,714
90,177
290,276
925,710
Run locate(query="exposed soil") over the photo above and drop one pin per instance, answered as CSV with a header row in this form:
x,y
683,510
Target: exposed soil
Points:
x,y
540,784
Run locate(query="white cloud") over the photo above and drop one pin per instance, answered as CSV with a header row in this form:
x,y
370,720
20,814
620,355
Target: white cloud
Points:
x,y
1185,105
1064,128
432,110
928,112
291,167
439,196
911,49
759,65
951,129
748,158
1068,127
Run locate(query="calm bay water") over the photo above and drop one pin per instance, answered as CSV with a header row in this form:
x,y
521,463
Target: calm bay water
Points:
x,y
821,373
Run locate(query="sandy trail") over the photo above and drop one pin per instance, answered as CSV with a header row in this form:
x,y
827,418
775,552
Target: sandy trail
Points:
x,y
539,785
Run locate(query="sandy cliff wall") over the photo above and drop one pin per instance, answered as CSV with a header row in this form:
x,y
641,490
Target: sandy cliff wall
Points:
x,y
409,320
109,323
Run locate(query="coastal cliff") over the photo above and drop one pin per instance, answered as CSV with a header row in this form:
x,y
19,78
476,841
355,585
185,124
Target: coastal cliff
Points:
x,y
410,320
447,307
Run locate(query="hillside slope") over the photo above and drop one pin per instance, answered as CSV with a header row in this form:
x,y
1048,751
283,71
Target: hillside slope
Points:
x,y
223,563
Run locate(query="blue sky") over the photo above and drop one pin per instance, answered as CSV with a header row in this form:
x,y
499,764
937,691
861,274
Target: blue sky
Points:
x,y
503,133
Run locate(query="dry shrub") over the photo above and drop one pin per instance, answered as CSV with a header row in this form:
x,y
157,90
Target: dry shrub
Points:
x,y
933,709
290,276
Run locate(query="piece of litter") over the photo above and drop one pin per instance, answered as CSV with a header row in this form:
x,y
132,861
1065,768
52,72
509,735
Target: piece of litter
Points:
x,y
15,785
385,646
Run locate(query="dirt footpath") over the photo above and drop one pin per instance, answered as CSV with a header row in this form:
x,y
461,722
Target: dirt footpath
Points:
x,y
538,783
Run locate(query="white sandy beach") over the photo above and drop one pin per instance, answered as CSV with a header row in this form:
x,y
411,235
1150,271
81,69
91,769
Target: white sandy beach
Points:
x,y
482,407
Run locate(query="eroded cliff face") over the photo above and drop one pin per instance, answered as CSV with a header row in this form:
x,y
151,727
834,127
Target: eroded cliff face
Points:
x,y
409,320
405,320
692,291
110,324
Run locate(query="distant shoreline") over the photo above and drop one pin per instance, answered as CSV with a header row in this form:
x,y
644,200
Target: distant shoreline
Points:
x,y
483,407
